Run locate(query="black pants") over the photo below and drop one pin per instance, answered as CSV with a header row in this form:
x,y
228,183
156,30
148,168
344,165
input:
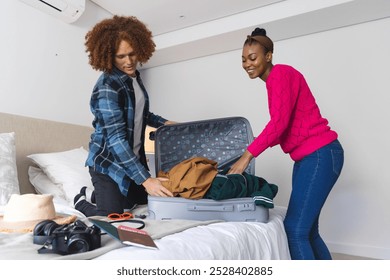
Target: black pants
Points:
x,y
108,197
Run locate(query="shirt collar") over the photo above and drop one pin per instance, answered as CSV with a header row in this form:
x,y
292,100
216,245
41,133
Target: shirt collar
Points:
x,y
123,76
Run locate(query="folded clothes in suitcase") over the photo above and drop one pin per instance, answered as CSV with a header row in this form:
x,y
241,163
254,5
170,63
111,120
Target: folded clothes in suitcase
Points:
x,y
222,140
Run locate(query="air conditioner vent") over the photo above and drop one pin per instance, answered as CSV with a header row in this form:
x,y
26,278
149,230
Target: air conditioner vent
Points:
x,y
66,10
55,4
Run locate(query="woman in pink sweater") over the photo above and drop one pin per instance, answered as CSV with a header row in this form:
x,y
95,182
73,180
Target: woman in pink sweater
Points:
x,y
297,126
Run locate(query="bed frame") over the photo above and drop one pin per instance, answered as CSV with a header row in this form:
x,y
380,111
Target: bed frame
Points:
x,y
41,136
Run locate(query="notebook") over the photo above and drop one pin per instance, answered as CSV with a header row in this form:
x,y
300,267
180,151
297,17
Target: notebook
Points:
x,y
126,234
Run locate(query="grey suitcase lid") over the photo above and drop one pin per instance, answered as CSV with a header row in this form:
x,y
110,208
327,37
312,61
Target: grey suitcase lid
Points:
x,y
223,140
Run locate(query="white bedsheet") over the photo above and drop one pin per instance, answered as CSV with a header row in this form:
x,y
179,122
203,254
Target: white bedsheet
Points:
x,y
199,240
217,241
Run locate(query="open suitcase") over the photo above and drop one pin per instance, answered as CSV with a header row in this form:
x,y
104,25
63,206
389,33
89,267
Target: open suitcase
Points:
x,y
222,140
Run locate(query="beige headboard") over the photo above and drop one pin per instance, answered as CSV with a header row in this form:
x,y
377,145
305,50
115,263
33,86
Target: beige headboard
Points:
x,y
41,136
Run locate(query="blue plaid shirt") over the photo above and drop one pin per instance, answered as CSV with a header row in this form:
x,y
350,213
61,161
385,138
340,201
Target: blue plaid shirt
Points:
x,y
111,146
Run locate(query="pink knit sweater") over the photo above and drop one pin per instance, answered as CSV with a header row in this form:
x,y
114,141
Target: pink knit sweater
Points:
x,y
296,122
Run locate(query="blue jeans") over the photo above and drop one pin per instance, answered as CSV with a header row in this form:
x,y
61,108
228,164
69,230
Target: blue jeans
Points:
x,y
313,178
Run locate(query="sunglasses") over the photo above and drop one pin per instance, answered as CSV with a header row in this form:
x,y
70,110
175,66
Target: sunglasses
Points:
x,y
124,216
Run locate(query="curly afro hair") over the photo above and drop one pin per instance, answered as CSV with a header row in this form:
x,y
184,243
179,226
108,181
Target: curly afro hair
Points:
x,y
102,41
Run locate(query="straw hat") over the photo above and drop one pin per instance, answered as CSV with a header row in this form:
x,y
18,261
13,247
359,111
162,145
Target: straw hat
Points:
x,y
23,212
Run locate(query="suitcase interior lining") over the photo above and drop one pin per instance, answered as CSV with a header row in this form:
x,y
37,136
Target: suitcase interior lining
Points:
x,y
223,140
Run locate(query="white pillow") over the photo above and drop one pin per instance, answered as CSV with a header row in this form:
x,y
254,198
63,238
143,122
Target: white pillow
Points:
x,y
43,185
9,183
66,170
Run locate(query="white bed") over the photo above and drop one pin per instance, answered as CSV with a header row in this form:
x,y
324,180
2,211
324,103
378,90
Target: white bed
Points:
x,y
50,159
217,241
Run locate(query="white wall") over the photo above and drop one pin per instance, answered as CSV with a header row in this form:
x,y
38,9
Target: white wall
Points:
x,y
347,70
45,74
45,71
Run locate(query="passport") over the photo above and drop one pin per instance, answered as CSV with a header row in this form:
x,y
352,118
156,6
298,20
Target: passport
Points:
x,y
126,234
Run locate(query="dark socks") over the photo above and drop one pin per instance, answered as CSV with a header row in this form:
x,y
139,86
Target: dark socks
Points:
x,y
88,193
79,197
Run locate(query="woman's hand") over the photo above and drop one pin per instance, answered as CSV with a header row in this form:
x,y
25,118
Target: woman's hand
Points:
x,y
240,165
154,187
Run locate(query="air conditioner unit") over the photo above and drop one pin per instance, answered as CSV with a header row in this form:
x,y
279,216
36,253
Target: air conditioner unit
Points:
x,y
66,10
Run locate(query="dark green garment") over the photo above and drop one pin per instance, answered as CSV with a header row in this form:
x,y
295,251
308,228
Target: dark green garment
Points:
x,y
242,185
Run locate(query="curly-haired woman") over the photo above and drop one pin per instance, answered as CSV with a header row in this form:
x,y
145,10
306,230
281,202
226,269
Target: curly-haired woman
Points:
x,y
120,105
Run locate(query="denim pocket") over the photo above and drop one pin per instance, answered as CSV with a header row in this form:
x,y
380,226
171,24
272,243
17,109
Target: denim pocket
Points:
x,y
338,161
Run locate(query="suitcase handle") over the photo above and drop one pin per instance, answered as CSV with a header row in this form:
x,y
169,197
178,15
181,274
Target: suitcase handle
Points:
x,y
221,208
215,208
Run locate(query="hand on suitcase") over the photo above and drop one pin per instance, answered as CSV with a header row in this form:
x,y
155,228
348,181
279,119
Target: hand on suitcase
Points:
x,y
240,165
154,187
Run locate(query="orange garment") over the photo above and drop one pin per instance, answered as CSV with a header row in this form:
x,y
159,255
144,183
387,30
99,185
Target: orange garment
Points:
x,y
190,178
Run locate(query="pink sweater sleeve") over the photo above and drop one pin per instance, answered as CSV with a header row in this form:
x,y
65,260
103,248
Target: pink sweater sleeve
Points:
x,y
281,100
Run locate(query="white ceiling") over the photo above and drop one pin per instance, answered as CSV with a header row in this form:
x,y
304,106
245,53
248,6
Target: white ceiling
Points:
x,y
164,16
187,29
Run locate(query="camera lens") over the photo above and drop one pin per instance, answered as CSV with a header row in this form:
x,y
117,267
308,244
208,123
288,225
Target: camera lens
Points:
x,y
78,244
